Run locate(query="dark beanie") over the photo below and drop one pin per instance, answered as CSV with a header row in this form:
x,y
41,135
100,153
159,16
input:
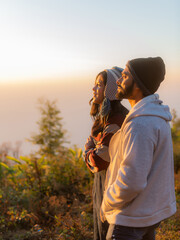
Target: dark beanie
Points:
x,y
148,73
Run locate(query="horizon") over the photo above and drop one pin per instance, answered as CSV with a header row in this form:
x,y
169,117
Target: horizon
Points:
x,y
19,114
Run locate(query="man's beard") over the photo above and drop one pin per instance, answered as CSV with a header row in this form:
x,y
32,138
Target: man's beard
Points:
x,y
124,93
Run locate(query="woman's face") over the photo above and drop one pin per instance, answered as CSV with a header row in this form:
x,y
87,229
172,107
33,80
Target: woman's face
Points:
x,y
98,90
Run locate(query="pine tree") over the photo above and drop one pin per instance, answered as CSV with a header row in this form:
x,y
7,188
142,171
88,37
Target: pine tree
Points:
x,y
50,138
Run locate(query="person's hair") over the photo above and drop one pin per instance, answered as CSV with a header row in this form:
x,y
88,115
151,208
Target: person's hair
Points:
x,y
99,121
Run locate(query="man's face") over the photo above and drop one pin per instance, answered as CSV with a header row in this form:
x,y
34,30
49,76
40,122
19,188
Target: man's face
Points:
x,y
125,85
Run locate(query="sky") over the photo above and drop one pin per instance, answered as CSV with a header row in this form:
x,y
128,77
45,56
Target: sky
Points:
x,y
54,49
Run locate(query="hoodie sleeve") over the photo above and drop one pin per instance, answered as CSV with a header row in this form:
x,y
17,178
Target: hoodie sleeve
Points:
x,y
137,149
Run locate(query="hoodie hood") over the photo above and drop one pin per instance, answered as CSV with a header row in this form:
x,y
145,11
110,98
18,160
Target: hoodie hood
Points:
x,y
149,106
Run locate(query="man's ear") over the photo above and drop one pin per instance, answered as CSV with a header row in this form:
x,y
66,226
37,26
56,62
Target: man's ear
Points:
x,y
138,90
136,87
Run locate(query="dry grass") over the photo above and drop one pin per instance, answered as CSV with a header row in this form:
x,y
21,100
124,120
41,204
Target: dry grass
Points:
x,y
68,217
170,228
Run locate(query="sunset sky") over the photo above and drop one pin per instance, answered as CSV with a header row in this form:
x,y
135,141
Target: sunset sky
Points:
x,y
55,48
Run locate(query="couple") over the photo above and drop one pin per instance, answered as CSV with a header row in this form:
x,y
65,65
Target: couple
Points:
x,y
133,151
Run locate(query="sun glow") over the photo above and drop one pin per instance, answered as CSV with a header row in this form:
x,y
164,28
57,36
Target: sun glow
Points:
x,y
25,61
28,56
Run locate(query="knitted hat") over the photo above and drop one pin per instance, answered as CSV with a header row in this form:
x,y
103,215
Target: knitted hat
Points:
x,y
111,86
148,73
110,90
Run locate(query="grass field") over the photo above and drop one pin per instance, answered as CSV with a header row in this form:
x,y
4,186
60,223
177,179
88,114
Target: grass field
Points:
x,y
63,213
170,228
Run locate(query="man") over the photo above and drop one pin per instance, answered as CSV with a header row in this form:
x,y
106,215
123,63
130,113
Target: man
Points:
x,y
139,189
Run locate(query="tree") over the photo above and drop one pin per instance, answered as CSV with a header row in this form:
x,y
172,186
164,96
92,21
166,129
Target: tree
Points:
x,y
175,129
50,138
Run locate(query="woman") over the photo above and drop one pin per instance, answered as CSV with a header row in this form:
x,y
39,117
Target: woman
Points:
x,y
108,114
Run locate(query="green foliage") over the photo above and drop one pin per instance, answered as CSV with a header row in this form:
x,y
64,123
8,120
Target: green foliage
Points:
x,y
170,228
48,188
4,165
13,159
175,129
44,190
50,138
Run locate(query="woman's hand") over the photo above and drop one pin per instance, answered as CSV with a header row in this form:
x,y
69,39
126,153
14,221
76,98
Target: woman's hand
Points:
x,y
89,143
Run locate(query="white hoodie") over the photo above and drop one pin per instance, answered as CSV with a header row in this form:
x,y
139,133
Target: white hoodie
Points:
x,y
140,179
